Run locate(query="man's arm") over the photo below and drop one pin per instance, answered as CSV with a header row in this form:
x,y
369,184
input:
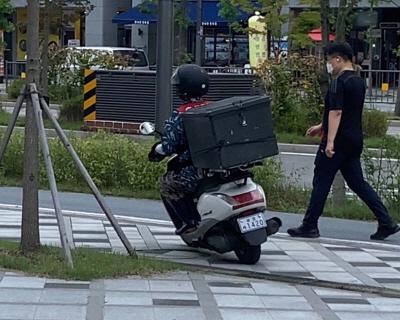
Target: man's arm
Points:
x,y
333,124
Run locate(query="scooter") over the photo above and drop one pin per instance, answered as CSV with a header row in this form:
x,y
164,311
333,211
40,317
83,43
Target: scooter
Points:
x,y
232,210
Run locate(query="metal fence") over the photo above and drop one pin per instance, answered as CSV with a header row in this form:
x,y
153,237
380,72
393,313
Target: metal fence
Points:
x,y
382,85
131,96
13,70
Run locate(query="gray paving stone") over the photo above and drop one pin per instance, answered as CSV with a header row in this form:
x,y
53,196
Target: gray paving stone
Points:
x,y
389,316
336,276
179,314
22,282
167,285
60,312
63,296
238,301
235,314
285,266
17,311
128,298
307,255
294,315
232,290
334,293
19,296
352,307
327,266
381,269
359,315
127,285
286,303
174,295
274,288
128,313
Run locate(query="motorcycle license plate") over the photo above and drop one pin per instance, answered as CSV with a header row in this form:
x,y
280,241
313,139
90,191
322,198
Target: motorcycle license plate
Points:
x,y
251,223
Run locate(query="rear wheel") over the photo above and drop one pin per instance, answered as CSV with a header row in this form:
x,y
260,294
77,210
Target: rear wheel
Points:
x,y
248,254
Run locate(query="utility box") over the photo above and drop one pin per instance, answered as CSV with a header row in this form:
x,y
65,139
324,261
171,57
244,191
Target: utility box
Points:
x,y
230,133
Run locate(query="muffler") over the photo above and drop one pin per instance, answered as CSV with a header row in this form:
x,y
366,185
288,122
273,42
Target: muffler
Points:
x,y
273,225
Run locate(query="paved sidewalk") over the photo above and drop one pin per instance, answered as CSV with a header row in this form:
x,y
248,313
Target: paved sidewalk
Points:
x,y
204,295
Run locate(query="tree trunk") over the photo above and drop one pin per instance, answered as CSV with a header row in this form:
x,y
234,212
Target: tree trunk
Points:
x,y
44,85
30,216
341,21
324,4
397,107
324,76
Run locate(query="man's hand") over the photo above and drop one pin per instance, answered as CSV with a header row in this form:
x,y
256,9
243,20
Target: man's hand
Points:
x,y
330,150
314,130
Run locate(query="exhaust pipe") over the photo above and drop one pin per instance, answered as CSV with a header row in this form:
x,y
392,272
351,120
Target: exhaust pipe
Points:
x,y
273,225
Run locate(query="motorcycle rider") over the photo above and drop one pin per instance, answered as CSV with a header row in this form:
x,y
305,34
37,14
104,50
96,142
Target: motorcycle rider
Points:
x,y
178,185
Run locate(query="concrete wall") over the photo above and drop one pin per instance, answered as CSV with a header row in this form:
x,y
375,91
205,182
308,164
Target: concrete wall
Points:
x,y
142,40
100,31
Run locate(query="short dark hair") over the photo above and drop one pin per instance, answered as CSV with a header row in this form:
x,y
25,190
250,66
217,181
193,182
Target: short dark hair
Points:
x,y
342,49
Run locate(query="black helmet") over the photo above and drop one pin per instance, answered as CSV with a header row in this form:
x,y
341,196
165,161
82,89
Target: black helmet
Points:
x,y
191,81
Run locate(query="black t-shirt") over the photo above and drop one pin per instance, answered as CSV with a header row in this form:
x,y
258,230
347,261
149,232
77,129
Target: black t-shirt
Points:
x,y
346,93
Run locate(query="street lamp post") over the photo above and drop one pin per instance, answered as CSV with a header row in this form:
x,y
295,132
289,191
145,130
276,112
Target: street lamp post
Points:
x,y
164,61
199,31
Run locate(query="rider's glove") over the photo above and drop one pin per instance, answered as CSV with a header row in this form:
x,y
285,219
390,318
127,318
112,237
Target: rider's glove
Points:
x,y
155,153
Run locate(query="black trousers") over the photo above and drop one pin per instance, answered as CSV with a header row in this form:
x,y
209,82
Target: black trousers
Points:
x,y
348,162
181,211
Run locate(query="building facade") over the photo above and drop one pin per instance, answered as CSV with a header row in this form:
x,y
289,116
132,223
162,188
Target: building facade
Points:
x,y
375,33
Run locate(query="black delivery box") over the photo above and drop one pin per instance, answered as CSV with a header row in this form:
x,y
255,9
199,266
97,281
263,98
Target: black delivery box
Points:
x,y
230,132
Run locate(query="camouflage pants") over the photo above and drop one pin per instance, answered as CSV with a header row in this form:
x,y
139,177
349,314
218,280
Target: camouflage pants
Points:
x,y
176,185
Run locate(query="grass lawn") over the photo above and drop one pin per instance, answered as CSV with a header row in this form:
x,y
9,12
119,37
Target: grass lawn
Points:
x,y
284,137
88,263
65,124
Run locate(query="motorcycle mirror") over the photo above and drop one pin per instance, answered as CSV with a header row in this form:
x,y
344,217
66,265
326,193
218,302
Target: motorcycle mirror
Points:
x,y
147,128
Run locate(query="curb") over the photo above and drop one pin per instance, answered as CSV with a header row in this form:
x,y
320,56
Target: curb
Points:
x,y
394,123
385,292
51,133
11,104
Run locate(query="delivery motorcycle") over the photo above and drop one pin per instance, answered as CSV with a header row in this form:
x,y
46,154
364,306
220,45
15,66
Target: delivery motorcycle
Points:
x,y
232,208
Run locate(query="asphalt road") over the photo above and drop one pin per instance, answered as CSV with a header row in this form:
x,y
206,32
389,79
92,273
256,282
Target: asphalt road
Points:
x,y
329,227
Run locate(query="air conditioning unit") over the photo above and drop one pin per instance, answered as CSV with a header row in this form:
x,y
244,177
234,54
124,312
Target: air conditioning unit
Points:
x,y
389,25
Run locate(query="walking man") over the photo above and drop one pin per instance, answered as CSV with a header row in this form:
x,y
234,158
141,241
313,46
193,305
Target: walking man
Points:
x,y
341,146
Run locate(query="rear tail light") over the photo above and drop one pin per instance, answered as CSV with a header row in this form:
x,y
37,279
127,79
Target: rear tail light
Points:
x,y
247,199
242,200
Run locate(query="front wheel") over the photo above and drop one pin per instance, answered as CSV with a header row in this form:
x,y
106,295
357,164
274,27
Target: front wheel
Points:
x,y
248,254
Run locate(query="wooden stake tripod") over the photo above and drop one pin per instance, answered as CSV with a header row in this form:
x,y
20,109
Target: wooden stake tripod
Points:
x,y
39,104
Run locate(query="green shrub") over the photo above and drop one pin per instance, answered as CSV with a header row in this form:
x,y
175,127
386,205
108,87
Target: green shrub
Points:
x,y
61,93
294,88
382,170
72,109
115,161
14,90
375,123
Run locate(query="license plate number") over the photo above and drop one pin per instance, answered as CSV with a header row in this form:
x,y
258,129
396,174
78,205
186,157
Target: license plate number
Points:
x,y
250,223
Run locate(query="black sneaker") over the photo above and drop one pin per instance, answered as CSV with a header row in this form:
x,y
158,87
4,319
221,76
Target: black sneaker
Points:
x,y
304,232
385,231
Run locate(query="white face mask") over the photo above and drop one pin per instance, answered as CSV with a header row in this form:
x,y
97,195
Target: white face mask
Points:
x,y
329,67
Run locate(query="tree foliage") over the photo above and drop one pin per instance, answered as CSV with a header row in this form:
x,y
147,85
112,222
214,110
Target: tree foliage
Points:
x,y
6,9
